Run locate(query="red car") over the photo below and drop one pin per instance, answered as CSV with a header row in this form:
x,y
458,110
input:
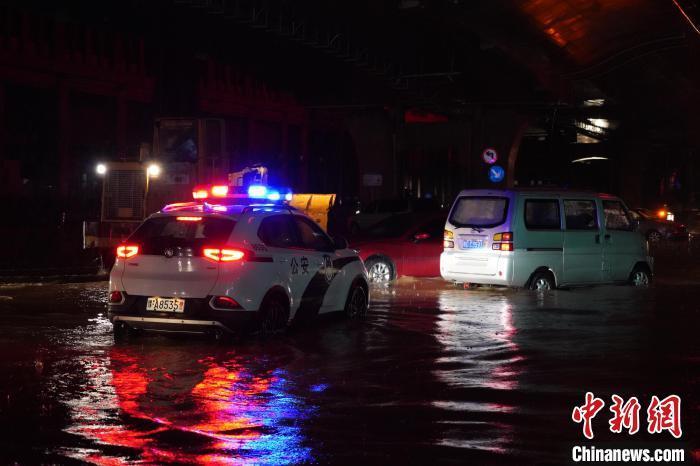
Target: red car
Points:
x,y
408,244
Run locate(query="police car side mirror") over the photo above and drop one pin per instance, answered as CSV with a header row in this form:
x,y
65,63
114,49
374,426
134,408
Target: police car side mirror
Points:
x,y
340,242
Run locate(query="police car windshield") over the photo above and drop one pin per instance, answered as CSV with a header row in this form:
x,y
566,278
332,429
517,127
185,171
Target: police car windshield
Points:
x,y
479,211
158,233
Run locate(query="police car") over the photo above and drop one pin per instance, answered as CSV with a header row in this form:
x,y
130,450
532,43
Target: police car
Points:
x,y
230,262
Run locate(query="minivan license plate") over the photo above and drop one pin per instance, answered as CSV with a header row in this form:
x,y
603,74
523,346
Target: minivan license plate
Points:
x,y
473,243
155,303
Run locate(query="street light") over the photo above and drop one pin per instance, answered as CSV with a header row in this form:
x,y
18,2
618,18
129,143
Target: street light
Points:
x,y
101,169
153,170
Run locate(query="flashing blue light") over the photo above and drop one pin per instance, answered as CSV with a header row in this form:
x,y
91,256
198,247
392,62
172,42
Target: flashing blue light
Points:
x,y
273,196
288,197
257,191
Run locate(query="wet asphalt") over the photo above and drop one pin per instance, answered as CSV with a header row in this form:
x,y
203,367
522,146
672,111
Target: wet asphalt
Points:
x,y
433,375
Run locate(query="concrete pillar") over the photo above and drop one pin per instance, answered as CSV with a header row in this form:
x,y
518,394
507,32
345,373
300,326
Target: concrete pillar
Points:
x,y
521,127
2,120
304,162
122,114
64,159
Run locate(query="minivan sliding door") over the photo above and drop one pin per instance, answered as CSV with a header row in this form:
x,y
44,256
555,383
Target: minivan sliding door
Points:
x,y
583,249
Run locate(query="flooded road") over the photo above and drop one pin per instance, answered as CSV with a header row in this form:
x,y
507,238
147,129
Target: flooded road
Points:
x,y
434,374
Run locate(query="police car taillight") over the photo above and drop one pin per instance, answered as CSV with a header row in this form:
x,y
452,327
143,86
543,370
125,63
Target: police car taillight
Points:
x,y
116,297
127,251
223,255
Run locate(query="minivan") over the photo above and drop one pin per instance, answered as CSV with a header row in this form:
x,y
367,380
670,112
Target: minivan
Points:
x,y
542,239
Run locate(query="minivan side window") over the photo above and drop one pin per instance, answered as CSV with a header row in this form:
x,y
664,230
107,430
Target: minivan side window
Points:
x,y
616,217
278,231
580,215
542,214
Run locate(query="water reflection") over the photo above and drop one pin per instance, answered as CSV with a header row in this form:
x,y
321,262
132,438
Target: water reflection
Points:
x,y
156,404
482,357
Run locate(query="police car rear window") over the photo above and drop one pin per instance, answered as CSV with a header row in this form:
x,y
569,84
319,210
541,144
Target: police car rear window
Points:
x,y
479,211
184,236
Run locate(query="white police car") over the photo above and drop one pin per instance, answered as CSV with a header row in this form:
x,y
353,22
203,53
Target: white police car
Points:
x,y
231,262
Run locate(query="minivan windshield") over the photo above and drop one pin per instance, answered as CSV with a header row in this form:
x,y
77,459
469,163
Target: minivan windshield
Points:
x,y
479,211
181,233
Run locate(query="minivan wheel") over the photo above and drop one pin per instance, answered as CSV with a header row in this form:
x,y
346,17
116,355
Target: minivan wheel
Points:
x,y
640,277
273,315
356,304
542,281
380,270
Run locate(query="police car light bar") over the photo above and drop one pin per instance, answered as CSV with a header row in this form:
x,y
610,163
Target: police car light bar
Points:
x,y
201,192
263,192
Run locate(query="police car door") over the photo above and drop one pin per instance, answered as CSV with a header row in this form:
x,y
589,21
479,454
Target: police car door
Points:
x,y
316,262
279,233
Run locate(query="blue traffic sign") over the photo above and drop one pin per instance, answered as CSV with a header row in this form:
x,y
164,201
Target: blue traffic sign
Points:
x,y
496,173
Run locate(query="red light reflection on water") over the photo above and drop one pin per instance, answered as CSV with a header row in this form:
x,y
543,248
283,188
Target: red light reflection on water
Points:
x,y
163,409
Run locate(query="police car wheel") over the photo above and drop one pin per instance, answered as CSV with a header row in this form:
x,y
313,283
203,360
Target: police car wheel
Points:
x,y
380,270
356,304
273,315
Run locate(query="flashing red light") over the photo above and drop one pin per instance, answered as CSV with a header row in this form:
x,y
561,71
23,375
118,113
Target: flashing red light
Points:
x,y
116,297
127,251
219,191
223,255
189,219
200,194
225,302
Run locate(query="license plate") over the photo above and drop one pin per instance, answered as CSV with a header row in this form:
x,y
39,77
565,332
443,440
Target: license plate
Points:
x,y
472,244
165,304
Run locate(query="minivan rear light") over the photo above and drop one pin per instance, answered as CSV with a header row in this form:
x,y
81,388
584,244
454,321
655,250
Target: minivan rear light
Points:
x,y
189,219
223,255
507,236
448,239
127,251
506,246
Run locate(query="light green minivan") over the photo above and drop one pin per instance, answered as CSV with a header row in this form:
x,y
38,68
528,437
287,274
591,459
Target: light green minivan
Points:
x,y
542,239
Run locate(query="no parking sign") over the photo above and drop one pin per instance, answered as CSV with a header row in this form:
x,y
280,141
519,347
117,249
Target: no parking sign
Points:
x,y
489,156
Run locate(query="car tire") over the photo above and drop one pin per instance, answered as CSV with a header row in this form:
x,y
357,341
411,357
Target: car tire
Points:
x,y
542,281
640,276
654,236
380,270
356,304
273,315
